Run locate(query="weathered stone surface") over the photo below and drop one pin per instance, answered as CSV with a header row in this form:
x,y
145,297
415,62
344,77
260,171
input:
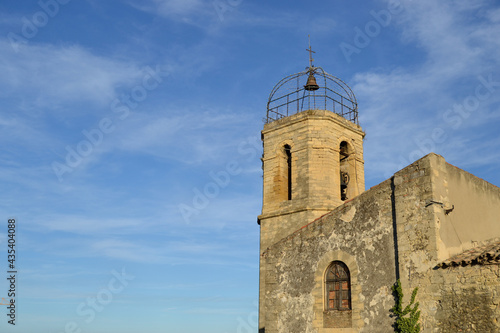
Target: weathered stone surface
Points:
x,y
367,237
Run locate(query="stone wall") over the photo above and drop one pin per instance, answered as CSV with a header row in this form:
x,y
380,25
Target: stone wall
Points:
x,y
416,230
470,212
358,233
467,299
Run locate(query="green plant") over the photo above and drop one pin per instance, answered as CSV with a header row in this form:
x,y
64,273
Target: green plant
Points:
x,y
404,323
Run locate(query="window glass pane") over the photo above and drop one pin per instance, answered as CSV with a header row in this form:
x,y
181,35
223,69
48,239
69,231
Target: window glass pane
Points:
x,y
345,303
342,273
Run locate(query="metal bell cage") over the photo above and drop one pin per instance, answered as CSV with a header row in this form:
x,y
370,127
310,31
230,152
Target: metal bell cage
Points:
x,y
301,91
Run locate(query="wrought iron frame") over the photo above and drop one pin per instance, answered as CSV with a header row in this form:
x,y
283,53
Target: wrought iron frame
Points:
x,y
324,98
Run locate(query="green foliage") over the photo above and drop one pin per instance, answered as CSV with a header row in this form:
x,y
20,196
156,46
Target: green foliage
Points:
x,y
407,318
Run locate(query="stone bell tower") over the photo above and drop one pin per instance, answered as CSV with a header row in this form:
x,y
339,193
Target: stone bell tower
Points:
x,y
313,156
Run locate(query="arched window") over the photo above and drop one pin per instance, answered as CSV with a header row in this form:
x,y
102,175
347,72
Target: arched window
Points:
x,y
338,287
288,155
344,170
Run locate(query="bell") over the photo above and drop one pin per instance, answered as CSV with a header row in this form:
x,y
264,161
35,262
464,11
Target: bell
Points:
x,y
311,84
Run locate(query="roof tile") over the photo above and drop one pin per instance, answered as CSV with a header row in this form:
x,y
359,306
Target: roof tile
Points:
x,y
487,254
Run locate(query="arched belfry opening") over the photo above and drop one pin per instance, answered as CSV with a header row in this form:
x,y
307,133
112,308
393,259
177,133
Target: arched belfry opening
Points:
x,y
344,170
348,172
288,157
284,177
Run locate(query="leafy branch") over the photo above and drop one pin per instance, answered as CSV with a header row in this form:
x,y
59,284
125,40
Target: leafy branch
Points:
x,y
407,318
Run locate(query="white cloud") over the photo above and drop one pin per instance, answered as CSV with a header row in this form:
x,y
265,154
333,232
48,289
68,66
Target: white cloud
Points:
x,y
126,250
47,76
193,12
179,7
194,137
494,16
88,226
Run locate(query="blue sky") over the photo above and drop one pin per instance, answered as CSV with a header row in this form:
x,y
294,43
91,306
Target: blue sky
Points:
x,y
130,140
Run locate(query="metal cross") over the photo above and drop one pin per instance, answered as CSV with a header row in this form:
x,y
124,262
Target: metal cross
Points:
x,y
310,52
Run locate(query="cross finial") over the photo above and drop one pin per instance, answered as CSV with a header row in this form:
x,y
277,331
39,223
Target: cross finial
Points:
x,y
310,52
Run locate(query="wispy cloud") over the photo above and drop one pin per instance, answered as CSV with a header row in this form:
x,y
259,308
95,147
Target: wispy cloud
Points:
x,y
194,137
49,75
193,12
180,7
89,226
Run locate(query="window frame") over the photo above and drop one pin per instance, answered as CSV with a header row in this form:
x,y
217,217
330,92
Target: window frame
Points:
x,y
341,294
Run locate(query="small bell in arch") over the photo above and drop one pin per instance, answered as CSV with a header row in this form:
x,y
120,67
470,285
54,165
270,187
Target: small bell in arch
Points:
x,y
311,84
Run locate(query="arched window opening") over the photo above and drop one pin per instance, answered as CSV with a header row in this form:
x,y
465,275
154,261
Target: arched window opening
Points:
x,y
344,167
288,154
338,287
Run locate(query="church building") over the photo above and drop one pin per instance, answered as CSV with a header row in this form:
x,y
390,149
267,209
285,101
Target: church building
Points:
x,y
330,251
